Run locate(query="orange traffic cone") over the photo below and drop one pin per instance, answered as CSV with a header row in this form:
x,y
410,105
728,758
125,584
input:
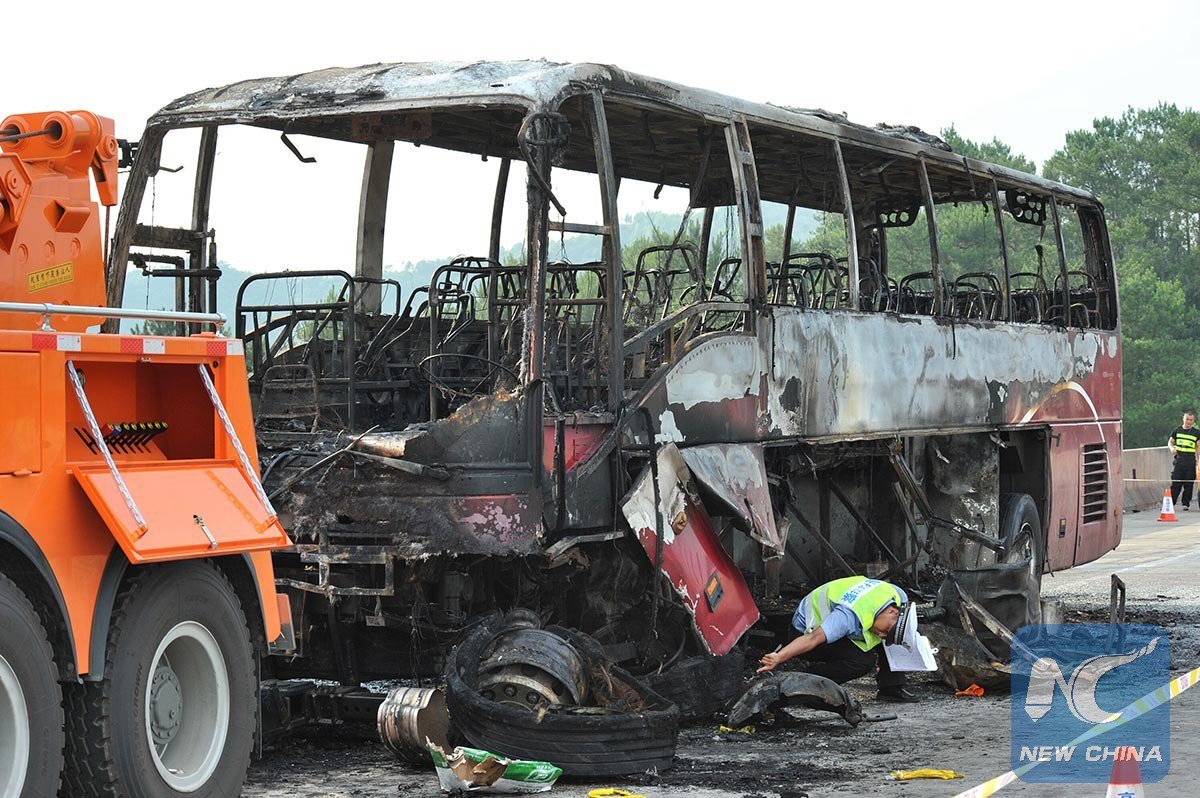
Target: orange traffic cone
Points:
x,y
1126,778
1168,508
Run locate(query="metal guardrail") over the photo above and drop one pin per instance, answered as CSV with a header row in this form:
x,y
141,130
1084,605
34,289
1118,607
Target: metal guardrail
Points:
x,y
46,310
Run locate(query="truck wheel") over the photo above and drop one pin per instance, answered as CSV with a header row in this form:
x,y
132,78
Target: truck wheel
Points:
x,y
176,711
31,736
1021,531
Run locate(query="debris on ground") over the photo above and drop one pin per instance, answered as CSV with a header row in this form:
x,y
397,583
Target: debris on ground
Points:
x,y
563,700
923,773
412,717
473,770
700,686
963,661
974,691
749,729
798,689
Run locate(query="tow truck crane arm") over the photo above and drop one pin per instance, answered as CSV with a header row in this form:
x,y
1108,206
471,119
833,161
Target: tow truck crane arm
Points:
x,y
51,247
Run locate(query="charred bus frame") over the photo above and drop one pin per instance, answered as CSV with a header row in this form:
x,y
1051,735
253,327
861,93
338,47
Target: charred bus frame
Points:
x,y
846,383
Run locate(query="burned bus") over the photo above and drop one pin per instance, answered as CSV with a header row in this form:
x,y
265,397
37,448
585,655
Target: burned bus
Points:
x,y
844,349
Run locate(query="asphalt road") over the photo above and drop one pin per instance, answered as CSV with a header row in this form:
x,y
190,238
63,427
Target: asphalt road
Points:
x,y
819,755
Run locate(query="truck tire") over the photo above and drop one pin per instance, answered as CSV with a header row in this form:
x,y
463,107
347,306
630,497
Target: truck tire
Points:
x,y
31,736
583,741
176,711
1021,531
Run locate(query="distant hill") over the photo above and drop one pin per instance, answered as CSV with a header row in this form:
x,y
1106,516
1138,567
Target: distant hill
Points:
x,y
159,293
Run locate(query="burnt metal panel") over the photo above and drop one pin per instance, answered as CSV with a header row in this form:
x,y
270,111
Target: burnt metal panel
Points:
x,y
846,376
679,537
737,474
377,89
369,507
860,375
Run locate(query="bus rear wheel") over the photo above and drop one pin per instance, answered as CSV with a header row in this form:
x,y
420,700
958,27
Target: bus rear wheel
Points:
x,y
176,711
1021,532
31,720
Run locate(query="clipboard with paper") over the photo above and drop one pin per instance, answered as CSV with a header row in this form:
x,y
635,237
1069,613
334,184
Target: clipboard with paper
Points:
x,y
912,650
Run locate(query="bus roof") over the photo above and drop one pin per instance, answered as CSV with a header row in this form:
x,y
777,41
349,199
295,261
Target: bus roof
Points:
x,y
537,85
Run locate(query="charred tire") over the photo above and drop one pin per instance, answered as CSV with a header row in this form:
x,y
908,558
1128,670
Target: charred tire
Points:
x,y
1021,531
701,686
179,669
582,744
31,736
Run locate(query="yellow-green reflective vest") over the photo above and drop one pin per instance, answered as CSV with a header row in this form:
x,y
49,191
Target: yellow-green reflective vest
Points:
x,y
1185,440
862,596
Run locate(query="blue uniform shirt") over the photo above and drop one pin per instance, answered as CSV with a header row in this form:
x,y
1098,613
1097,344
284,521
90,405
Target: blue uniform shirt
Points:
x,y
840,622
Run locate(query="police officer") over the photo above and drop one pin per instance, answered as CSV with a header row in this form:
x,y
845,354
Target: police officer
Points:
x,y
1182,444
843,623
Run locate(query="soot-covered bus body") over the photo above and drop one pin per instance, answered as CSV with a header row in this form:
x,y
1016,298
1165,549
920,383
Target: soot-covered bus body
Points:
x,y
850,350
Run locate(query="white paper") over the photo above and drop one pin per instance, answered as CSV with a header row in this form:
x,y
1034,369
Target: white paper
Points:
x,y
913,653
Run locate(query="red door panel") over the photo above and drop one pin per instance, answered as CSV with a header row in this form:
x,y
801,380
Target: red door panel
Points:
x,y
701,572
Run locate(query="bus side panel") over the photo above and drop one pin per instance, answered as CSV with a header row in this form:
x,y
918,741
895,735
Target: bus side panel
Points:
x,y
841,374
1062,516
1098,537
1084,519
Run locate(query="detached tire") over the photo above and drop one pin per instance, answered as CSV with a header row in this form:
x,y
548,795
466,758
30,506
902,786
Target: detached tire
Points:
x,y
176,711
582,741
1021,531
31,728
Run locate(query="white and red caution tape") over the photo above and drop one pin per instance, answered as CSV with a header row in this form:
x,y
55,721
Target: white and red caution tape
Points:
x,y
1138,708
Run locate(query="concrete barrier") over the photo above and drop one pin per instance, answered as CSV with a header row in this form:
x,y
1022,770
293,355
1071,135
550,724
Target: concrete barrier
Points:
x,y
1146,464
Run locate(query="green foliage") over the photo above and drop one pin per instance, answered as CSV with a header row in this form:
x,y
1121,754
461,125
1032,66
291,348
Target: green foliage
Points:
x,y
994,151
156,327
828,234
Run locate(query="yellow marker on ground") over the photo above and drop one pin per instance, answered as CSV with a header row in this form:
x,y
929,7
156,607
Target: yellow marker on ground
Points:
x,y
923,773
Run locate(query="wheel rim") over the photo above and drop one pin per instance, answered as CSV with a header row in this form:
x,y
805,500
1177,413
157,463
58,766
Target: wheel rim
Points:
x,y
187,706
14,733
1023,549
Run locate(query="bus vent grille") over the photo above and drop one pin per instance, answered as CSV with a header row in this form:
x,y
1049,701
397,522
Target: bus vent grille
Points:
x,y
1095,482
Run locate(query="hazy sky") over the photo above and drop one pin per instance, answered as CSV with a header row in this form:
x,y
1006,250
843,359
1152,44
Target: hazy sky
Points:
x,y
1025,73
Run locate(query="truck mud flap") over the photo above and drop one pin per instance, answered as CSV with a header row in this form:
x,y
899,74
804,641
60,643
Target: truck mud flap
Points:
x,y
186,509
679,536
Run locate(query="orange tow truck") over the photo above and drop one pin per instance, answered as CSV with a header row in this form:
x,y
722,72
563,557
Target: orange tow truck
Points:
x,y
136,586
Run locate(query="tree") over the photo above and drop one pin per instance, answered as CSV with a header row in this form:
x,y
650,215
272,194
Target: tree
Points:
x,y
994,151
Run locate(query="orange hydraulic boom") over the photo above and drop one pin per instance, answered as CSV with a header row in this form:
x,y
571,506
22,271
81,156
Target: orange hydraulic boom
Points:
x,y
136,585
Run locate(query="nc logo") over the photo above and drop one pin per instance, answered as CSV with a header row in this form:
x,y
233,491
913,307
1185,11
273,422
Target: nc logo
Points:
x,y
1080,689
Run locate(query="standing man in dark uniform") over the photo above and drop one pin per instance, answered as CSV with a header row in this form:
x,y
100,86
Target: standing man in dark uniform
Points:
x,y
1182,444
